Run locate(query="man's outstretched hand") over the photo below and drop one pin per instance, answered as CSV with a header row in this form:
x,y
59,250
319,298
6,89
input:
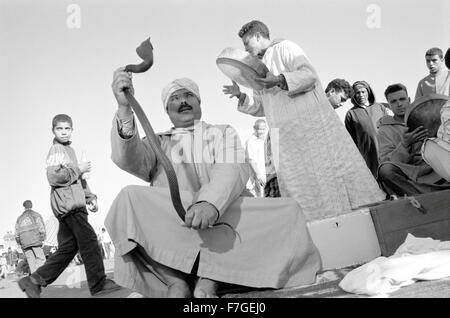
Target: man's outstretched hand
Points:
x,y
232,90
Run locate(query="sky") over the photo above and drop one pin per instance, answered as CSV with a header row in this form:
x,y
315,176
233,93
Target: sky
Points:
x,y
59,57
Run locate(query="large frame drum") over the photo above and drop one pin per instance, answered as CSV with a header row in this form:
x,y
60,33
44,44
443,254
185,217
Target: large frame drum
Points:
x,y
426,112
241,67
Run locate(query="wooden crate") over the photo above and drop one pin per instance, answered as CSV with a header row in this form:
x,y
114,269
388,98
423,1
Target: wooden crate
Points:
x,y
345,240
393,220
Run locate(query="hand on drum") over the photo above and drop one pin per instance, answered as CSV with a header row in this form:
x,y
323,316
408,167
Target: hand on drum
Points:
x,y
411,137
269,81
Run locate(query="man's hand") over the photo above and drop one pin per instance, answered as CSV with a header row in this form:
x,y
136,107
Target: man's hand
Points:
x,y
93,206
201,215
232,90
270,80
261,181
418,134
85,166
121,81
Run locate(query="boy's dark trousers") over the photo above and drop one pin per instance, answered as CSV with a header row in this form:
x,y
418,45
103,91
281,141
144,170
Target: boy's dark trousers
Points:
x,y
75,233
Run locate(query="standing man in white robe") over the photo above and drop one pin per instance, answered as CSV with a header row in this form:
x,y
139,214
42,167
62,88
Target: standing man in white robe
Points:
x,y
319,165
160,255
438,81
254,154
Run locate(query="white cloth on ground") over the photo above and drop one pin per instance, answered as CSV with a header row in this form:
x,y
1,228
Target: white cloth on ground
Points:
x,y
416,259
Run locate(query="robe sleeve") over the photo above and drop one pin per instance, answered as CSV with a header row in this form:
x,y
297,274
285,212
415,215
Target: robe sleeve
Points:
x,y
389,151
132,154
300,75
254,108
419,92
229,173
350,126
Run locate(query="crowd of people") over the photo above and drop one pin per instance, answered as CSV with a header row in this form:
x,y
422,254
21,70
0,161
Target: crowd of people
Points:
x,y
391,151
229,235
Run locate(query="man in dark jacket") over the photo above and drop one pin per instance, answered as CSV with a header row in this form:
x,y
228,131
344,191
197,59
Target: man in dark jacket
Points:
x,y
30,236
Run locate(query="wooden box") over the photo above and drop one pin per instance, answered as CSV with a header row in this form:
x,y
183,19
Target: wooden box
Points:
x,y
393,220
345,240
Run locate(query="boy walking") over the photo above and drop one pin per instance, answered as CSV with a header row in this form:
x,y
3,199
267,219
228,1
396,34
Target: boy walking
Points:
x,y
69,196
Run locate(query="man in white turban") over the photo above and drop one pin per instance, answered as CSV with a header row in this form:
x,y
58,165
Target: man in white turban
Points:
x,y
160,255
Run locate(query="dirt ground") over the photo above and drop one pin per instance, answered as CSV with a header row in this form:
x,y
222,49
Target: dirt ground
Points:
x,y
71,284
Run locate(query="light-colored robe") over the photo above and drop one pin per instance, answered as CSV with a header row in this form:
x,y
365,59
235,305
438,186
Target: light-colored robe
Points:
x,y
274,248
434,84
254,153
436,151
319,165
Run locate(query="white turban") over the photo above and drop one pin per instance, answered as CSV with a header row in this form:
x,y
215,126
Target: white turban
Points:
x,y
176,85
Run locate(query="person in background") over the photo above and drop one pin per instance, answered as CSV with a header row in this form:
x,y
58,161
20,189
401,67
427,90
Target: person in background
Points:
x,y
362,120
107,244
438,81
338,91
3,267
254,154
402,169
30,235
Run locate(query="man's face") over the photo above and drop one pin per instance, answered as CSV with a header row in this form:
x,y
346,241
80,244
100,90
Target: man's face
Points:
x,y
336,97
183,108
260,129
62,132
434,63
361,95
399,102
253,45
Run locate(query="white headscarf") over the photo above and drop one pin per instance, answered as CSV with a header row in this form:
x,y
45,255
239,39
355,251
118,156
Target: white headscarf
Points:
x,y
176,85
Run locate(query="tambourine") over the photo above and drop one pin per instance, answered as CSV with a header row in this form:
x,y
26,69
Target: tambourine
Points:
x,y
426,112
241,67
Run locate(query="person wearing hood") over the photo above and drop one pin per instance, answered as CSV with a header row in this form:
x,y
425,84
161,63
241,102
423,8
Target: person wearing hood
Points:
x,y
160,255
402,170
319,166
362,120
438,81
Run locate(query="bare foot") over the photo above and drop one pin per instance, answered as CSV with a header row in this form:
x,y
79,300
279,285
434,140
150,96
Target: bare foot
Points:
x,y
205,288
179,289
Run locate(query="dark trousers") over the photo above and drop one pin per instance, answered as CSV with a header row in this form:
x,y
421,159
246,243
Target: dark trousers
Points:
x,y
396,182
272,189
75,233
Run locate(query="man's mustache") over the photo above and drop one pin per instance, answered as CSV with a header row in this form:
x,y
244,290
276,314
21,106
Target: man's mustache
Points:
x,y
184,105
